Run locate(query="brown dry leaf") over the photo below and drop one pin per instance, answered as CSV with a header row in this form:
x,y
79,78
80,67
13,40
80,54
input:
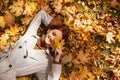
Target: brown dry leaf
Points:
x,y
9,18
57,5
81,75
42,2
114,3
116,72
26,20
97,55
82,58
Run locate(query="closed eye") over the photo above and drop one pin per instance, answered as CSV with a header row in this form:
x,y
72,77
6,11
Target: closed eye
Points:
x,y
53,33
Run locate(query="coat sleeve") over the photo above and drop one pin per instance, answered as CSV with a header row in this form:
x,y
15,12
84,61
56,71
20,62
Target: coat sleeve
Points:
x,y
56,72
41,16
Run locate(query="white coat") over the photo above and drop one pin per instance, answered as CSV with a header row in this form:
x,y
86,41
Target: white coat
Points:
x,y
22,59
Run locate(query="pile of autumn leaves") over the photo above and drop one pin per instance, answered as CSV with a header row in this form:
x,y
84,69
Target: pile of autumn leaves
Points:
x,y
92,50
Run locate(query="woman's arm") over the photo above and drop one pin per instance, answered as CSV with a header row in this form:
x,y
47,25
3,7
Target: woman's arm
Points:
x,y
41,16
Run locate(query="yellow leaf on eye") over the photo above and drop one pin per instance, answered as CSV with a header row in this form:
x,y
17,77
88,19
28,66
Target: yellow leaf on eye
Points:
x,y
13,30
57,43
118,37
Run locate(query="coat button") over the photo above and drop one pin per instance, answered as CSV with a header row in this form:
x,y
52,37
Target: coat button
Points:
x,y
25,56
20,47
6,56
10,66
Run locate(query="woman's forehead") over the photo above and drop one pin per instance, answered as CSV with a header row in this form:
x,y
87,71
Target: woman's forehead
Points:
x,y
57,32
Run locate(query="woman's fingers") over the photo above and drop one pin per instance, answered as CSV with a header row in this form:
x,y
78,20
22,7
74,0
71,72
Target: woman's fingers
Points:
x,y
58,53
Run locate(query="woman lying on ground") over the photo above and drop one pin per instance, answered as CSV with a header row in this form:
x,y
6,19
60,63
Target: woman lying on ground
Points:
x,y
26,56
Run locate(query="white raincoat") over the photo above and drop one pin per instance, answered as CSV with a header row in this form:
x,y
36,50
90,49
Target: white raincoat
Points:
x,y
22,59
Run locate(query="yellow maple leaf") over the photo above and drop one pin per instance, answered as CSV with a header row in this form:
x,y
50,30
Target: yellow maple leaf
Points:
x,y
13,30
3,40
57,43
118,37
17,8
30,7
23,78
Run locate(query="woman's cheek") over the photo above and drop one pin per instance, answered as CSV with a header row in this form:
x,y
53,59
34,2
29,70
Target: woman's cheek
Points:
x,y
47,40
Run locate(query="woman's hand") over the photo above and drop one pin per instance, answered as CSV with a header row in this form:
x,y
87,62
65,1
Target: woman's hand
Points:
x,y
58,53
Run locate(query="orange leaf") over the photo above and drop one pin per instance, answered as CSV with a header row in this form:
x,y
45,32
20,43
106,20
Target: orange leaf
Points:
x,y
82,58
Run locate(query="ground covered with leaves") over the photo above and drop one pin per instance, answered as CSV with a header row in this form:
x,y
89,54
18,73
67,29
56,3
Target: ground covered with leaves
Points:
x,y
92,51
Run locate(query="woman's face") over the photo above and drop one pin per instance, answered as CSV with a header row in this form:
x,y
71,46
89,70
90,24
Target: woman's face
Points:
x,y
51,34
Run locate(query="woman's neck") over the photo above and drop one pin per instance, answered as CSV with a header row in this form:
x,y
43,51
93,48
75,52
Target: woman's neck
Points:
x,y
43,42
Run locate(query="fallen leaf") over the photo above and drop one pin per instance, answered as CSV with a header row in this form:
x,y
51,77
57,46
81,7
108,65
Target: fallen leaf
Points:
x,y
68,1
114,3
110,37
57,5
57,43
118,37
30,8
26,20
2,22
83,58
17,8
13,30
91,76
9,18
79,75
3,40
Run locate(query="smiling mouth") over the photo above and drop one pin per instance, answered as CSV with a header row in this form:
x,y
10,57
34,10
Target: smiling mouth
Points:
x,y
51,41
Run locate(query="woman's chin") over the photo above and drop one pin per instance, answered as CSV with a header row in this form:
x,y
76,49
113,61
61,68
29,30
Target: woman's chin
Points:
x,y
47,42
